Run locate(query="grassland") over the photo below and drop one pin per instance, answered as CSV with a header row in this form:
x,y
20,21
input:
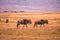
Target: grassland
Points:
x,y
50,31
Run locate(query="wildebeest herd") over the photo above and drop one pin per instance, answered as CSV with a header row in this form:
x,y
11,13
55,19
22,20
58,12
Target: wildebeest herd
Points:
x,y
24,22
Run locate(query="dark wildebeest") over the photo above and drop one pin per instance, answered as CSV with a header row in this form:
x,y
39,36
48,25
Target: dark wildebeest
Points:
x,y
6,21
24,22
40,22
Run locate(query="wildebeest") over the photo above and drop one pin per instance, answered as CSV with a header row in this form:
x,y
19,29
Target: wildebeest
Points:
x,y
6,21
24,22
40,22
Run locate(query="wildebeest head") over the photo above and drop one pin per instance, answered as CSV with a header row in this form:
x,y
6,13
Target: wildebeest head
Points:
x,y
30,21
46,21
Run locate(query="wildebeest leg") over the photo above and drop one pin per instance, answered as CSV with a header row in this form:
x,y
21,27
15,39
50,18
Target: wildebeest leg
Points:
x,y
18,25
40,25
35,25
26,25
23,25
43,25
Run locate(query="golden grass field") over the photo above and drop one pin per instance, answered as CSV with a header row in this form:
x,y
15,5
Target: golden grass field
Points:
x,y
9,31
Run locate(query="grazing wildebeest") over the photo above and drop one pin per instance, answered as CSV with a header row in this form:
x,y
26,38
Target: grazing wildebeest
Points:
x,y
24,22
40,22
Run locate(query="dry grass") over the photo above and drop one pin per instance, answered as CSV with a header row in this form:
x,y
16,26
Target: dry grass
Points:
x,y
49,32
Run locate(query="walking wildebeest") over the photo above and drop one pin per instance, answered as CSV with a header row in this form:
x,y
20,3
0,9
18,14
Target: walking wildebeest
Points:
x,y
24,22
40,22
